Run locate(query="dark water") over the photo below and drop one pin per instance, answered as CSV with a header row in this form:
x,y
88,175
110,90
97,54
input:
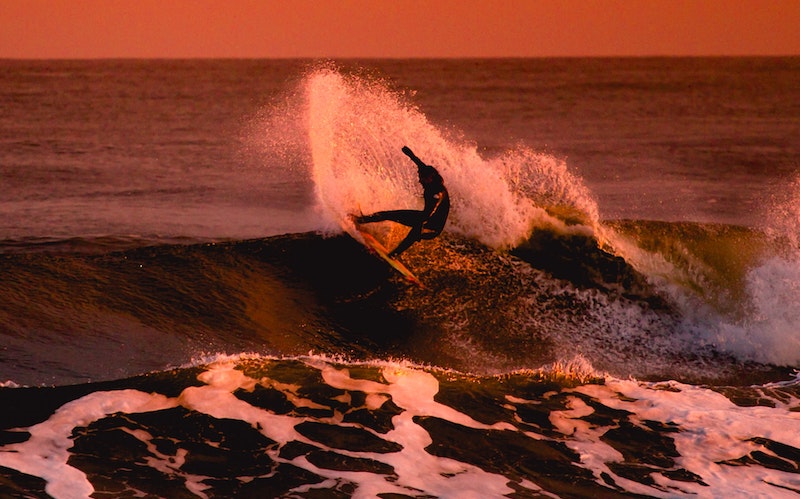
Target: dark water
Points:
x,y
612,310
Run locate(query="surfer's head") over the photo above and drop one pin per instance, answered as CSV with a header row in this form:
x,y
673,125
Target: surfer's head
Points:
x,y
428,175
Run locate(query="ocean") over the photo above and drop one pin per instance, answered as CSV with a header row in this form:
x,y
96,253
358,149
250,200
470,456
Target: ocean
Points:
x,y
613,309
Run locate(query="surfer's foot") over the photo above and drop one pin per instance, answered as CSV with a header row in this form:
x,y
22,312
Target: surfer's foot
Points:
x,y
356,218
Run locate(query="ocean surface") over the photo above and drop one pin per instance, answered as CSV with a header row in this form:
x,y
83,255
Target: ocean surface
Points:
x,y
613,309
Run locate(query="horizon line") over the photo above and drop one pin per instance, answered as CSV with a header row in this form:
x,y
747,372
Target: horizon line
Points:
x,y
398,58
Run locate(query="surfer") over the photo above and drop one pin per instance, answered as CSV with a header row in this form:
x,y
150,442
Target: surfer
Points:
x,y
425,224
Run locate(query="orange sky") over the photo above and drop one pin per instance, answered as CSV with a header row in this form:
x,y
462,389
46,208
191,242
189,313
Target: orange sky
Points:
x,y
396,28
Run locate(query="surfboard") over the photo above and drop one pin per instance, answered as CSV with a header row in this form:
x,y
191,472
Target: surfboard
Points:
x,y
379,249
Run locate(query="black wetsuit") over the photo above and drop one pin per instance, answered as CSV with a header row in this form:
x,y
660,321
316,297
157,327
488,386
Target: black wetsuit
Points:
x,y
425,224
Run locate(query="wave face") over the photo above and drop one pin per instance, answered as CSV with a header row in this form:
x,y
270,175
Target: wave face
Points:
x,y
106,315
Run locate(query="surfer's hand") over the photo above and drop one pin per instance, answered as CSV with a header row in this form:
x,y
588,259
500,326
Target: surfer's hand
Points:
x,y
413,157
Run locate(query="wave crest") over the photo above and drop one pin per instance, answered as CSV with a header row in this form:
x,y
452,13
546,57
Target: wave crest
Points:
x,y
356,129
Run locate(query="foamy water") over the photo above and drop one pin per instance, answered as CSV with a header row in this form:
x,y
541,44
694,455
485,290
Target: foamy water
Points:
x,y
710,432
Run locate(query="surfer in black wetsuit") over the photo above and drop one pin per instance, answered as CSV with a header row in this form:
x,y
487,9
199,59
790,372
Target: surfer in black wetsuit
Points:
x,y
425,224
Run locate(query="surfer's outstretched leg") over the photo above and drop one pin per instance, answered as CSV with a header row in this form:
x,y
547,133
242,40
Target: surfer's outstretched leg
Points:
x,y
409,218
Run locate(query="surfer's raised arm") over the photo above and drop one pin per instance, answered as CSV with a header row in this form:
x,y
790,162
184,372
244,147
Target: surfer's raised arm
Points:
x,y
408,152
